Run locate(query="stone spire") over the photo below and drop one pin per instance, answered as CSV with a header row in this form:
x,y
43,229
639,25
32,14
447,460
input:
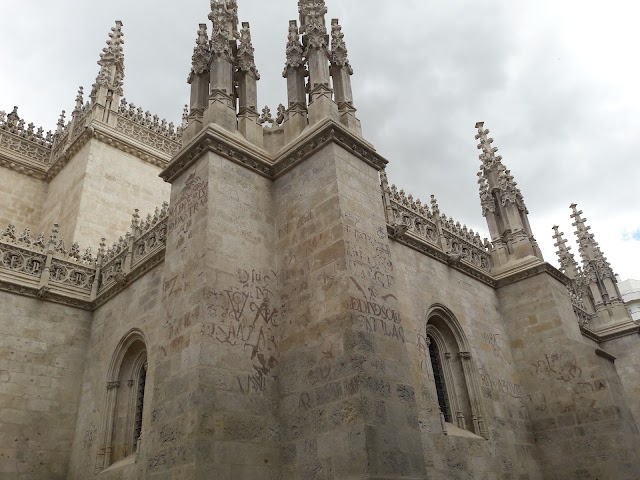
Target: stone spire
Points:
x,y
598,277
593,259
108,88
295,72
222,96
568,264
504,208
199,75
316,50
341,72
248,77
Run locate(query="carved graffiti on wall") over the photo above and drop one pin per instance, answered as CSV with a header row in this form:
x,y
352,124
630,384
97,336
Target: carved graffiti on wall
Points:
x,y
499,385
495,341
191,199
245,316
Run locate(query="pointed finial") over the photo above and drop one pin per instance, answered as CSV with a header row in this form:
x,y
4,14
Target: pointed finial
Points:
x,y
13,118
185,117
246,52
281,114
339,52
61,122
312,23
488,155
435,208
266,116
80,99
295,50
201,53
568,264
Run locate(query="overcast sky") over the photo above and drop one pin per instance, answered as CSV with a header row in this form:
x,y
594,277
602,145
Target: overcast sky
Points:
x,y
555,81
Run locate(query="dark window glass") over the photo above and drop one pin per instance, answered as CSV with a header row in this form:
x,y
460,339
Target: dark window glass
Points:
x,y
139,405
438,378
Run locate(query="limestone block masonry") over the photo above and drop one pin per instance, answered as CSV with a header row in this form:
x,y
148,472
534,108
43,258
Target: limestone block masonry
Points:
x,y
246,297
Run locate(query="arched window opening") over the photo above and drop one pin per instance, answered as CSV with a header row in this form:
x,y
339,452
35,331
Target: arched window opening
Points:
x,y
124,401
438,377
142,380
454,374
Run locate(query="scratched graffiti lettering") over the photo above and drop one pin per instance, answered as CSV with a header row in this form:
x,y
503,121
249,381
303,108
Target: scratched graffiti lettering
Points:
x,y
500,385
495,341
191,199
560,366
244,315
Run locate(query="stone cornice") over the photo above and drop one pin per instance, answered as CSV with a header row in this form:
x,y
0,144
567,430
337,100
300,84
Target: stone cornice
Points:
x,y
98,130
528,271
318,136
220,141
22,164
235,148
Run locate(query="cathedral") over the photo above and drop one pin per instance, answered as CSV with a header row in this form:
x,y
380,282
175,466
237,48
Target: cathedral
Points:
x,y
245,296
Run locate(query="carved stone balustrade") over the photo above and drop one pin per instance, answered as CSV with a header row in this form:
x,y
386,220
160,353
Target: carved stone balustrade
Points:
x,y
411,219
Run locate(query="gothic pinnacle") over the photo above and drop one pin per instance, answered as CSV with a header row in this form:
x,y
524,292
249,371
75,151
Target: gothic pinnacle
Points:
x,y
339,52
246,52
488,155
201,53
568,264
295,50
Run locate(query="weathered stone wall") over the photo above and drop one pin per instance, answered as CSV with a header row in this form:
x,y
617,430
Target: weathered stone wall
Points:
x,y
21,200
580,417
64,194
42,352
215,383
347,406
95,194
115,184
137,307
627,353
508,452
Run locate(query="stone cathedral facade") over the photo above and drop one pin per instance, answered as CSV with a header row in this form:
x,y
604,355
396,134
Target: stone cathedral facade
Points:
x,y
270,308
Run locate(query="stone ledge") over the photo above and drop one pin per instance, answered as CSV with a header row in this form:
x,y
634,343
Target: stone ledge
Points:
x,y
235,148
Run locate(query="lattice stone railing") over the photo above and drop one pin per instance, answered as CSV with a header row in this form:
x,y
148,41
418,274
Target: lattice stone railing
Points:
x,y
148,129
44,265
580,309
25,140
47,266
145,240
435,229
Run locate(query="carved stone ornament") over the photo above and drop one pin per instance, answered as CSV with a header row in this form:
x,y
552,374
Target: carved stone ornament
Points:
x,y
246,56
224,14
201,57
295,50
339,52
314,29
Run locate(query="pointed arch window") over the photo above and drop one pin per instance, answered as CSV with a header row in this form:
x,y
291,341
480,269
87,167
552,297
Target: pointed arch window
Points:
x,y
122,427
454,379
438,378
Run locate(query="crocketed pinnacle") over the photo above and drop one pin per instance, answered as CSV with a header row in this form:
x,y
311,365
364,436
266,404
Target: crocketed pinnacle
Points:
x,y
113,53
201,53
568,264
488,156
593,260
295,50
111,63
339,52
312,23
224,16
246,52
492,164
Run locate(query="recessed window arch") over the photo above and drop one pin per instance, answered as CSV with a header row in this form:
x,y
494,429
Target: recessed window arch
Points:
x,y
124,400
454,374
